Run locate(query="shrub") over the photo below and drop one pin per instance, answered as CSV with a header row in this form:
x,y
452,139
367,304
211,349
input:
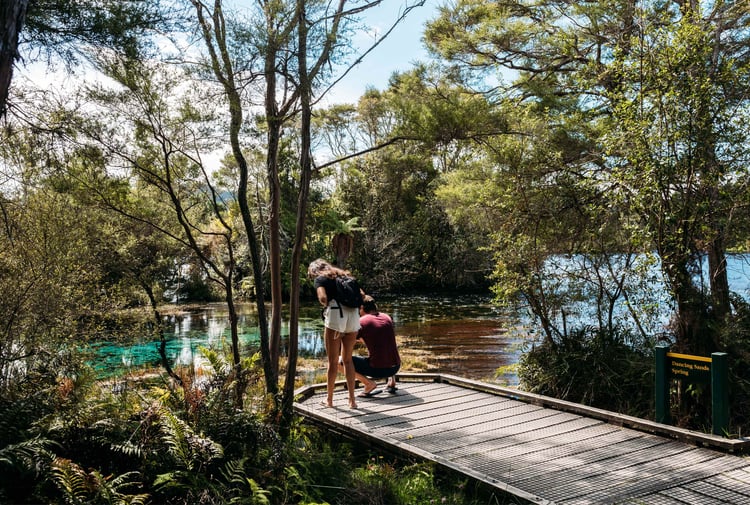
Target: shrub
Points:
x,y
608,370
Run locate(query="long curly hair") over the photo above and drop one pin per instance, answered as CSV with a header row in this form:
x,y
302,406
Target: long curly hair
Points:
x,y
320,267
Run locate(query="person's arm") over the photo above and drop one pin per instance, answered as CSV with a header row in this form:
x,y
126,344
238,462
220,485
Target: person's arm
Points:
x,y
322,296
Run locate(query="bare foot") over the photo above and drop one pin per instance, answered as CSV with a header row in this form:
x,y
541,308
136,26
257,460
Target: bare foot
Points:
x,y
370,387
352,405
326,404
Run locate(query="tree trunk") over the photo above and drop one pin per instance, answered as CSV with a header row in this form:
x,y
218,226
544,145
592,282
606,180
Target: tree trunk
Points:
x,y
13,15
160,331
689,323
274,123
343,246
717,271
221,64
305,163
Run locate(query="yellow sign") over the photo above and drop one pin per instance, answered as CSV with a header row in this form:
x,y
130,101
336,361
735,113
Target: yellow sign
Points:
x,y
693,368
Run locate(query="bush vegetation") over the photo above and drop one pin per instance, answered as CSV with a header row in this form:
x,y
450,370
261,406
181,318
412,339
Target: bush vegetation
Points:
x,y
68,438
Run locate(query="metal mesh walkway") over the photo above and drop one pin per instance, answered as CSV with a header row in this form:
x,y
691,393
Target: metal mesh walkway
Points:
x,y
538,448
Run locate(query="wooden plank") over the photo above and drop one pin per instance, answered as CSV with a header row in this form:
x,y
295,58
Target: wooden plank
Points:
x,y
725,482
503,435
645,425
741,474
413,413
604,475
469,422
451,404
489,430
453,408
560,455
524,448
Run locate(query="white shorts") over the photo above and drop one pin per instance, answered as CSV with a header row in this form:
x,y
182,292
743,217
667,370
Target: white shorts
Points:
x,y
345,320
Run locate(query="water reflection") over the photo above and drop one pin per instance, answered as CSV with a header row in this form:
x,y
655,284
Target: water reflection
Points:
x,y
467,336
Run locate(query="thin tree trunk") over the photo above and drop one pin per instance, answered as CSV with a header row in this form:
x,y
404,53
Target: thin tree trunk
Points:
x,y
690,318
274,123
302,202
719,282
160,331
13,16
222,67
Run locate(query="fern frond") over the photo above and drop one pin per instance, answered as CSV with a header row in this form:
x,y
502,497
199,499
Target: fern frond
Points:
x,y
244,486
189,449
259,496
217,361
174,436
128,448
118,486
178,479
29,455
71,480
234,471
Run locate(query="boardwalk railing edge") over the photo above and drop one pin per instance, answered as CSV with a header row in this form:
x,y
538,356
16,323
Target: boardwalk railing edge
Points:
x,y
738,445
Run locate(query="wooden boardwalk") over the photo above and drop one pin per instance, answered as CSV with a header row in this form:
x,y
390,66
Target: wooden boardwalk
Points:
x,y
541,449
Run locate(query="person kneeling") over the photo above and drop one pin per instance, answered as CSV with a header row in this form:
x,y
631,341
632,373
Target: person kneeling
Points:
x,y
383,361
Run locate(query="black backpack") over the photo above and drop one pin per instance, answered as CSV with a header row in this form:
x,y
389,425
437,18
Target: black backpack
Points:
x,y
348,293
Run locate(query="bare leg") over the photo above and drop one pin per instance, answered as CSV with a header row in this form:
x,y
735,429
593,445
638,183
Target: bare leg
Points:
x,y
333,347
347,347
369,384
366,381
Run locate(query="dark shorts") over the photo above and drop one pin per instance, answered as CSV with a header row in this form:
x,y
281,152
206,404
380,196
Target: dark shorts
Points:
x,y
362,367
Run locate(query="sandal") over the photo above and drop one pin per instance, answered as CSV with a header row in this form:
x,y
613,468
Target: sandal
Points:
x,y
374,392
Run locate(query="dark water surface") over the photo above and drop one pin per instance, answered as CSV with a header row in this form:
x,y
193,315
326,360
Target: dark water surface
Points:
x,y
464,335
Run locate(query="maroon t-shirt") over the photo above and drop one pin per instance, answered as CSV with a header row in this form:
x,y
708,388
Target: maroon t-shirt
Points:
x,y
379,336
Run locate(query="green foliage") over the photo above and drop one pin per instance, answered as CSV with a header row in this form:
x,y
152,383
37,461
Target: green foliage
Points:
x,y
80,487
628,134
83,444
379,482
608,370
67,28
22,466
736,339
407,240
246,490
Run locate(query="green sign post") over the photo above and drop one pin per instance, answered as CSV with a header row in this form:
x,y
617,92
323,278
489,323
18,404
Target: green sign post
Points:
x,y
694,370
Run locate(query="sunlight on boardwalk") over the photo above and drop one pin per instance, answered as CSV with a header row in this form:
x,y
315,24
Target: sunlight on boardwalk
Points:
x,y
517,443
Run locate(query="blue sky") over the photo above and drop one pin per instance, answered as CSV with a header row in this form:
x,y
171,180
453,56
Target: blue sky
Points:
x,y
396,53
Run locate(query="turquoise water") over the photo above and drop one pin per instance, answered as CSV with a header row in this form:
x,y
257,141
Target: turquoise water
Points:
x,y
465,335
